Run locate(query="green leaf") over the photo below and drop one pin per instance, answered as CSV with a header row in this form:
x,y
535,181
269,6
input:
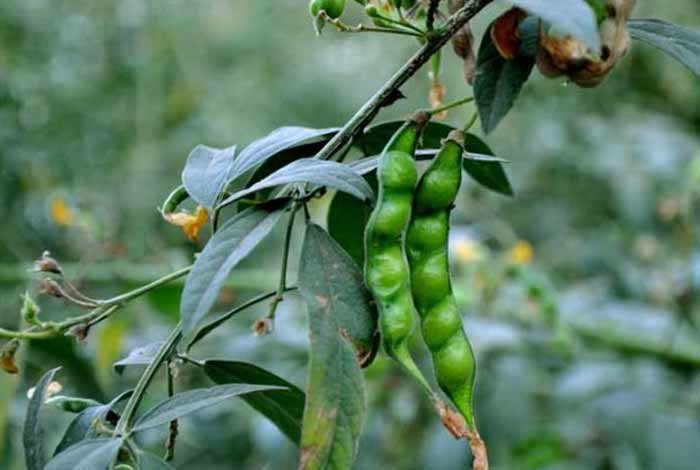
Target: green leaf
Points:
x,y
71,404
680,42
92,454
190,401
498,82
33,433
285,408
347,217
284,158
277,141
335,404
138,357
572,17
309,170
148,461
82,427
229,245
206,172
489,174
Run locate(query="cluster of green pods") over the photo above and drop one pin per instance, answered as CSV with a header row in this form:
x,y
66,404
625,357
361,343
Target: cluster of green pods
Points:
x,y
407,265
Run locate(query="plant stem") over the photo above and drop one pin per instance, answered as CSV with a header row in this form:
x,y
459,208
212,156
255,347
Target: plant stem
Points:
x,y
369,110
125,422
173,428
148,287
283,269
448,106
471,122
212,325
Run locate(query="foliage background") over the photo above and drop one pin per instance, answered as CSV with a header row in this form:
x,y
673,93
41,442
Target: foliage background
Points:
x,y
581,293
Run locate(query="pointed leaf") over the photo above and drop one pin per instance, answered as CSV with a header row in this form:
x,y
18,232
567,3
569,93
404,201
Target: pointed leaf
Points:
x,y
681,43
488,173
498,82
309,170
138,357
572,17
229,245
285,408
92,454
278,140
206,172
33,433
193,400
335,404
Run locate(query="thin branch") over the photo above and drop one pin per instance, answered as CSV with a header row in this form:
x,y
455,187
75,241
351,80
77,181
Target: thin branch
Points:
x,y
126,420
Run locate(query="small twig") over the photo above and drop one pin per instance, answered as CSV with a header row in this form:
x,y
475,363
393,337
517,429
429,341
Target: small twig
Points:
x,y
173,428
471,121
448,106
432,12
285,261
360,28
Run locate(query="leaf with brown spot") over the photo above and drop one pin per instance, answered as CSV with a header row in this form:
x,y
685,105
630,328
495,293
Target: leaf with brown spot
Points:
x,y
342,331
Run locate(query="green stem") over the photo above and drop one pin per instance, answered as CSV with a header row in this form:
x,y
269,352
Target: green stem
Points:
x,y
148,287
471,122
212,325
448,106
285,261
126,421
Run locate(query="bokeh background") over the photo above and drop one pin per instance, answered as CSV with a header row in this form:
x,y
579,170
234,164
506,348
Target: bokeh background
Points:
x,y
581,294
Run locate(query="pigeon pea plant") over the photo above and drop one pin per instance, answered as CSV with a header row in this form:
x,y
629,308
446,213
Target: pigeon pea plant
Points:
x,y
268,183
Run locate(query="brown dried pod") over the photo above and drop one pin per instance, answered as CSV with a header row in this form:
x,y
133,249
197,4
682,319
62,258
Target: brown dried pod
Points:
x,y
50,287
46,264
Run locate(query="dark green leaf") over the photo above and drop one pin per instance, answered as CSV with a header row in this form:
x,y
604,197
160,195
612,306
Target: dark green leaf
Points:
x,y
681,43
347,217
309,170
335,404
82,427
33,433
229,245
285,408
138,357
572,17
206,172
278,140
92,454
489,174
71,404
193,400
498,82
148,461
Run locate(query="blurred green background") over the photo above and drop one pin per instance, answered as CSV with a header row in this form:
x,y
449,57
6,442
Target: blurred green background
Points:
x,y
581,294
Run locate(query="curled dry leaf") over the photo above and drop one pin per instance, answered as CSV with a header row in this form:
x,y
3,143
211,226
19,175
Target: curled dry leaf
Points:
x,y
191,224
463,44
8,362
569,56
436,97
505,33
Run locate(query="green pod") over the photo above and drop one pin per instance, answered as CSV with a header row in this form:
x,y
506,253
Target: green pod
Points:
x,y
426,247
333,8
386,267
